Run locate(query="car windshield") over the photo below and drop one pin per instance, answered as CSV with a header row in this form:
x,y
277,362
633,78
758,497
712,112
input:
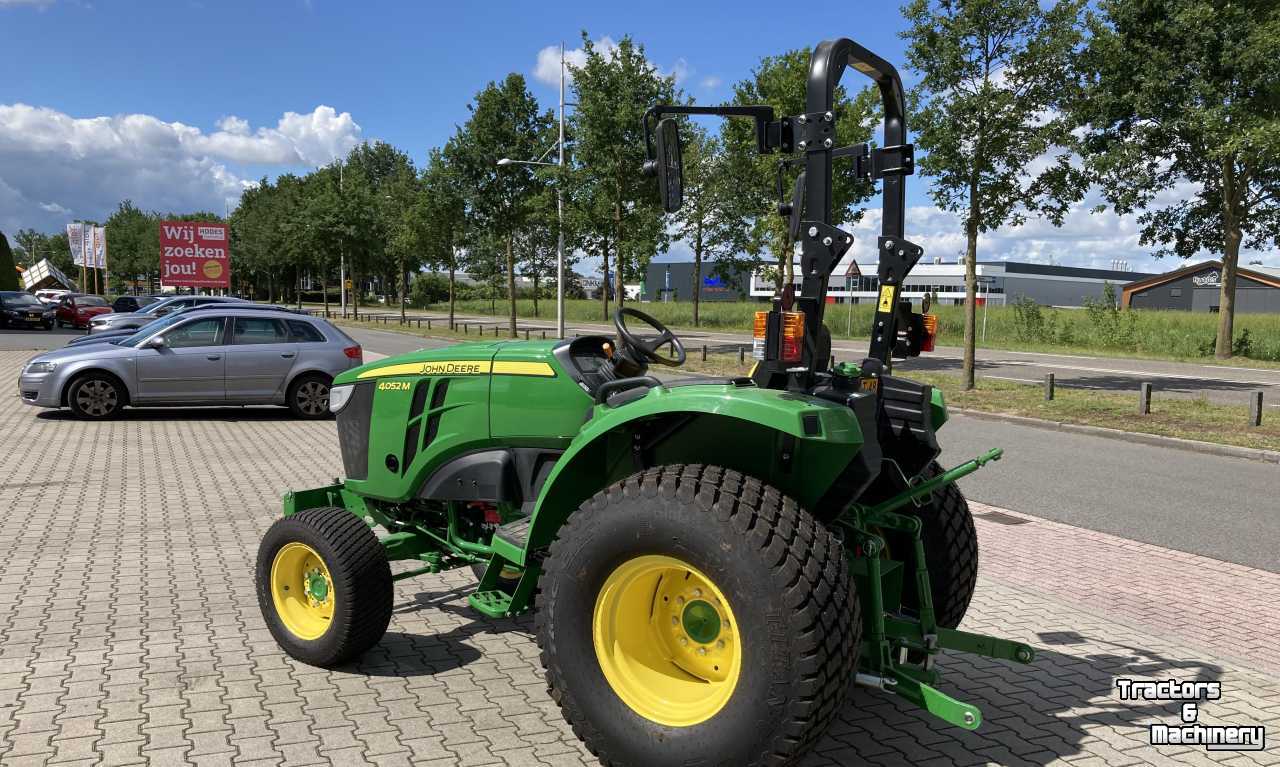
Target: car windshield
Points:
x,y
20,301
157,306
151,327
90,301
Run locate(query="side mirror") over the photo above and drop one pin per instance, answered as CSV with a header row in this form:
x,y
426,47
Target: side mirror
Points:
x,y
156,342
670,165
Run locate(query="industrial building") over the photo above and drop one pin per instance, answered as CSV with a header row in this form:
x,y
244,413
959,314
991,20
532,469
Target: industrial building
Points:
x,y
999,282
1198,288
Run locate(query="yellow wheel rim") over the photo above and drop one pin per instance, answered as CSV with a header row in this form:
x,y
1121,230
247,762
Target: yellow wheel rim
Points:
x,y
666,640
302,591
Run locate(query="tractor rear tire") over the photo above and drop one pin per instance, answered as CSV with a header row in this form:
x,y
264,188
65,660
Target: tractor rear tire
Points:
x,y
324,585
692,615
950,552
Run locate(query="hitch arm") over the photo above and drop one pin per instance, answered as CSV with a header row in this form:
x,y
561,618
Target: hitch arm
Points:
x,y
926,487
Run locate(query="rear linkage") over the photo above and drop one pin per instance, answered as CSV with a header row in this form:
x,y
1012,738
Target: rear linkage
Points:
x,y
899,652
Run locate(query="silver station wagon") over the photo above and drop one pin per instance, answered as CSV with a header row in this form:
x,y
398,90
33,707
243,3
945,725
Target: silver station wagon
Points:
x,y
217,355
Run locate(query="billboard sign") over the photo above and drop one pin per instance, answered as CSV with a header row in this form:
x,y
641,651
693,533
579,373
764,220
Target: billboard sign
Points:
x,y
194,254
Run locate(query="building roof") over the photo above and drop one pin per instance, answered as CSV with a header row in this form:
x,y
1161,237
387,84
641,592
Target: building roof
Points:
x,y
1177,274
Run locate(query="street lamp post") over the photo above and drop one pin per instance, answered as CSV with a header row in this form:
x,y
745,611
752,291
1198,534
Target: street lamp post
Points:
x,y
559,204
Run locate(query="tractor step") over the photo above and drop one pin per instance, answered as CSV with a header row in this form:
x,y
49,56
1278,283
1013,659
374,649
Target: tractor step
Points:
x,y
494,604
510,540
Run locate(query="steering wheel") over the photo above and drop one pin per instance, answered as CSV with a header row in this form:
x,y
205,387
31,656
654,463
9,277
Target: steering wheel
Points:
x,y
648,346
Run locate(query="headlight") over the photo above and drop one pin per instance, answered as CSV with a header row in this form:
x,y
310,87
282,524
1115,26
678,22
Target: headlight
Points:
x,y
41,367
339,396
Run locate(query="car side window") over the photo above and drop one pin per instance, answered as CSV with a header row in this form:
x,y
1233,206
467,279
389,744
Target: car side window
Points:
x,y
258,330
204,332
303,331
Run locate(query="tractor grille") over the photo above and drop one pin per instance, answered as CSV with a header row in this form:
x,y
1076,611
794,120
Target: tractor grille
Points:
x,y
353,431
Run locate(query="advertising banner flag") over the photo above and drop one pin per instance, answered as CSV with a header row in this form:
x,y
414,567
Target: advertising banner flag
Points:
x,y
75,238
195,254
86,231
100,247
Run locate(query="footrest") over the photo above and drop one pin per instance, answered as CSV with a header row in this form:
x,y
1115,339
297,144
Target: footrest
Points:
x,y
494,604
510,540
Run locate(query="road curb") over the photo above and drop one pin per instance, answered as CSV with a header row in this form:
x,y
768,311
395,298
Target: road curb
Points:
x,y
1158,440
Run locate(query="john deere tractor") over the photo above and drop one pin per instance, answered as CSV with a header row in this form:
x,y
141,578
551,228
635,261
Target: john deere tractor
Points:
x,y
712,562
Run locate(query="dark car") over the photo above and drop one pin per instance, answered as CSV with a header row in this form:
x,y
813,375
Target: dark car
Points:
x,y
78,309
21,309
132,303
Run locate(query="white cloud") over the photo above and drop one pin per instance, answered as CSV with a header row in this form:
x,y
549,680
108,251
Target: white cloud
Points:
x,y
54,166
547,67
41,4
711,82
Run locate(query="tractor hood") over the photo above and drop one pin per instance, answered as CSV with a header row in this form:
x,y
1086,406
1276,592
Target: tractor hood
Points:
x,y
427,362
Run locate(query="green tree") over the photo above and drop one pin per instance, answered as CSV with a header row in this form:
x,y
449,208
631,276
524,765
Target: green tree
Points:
x,y
613,89
445,217
989,109
133,244
8,270
1183,97
505,122
29,242
779,81
706,222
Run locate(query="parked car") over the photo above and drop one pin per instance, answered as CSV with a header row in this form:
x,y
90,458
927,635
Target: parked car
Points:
x,y
79,309
124,304
51,295
21,309
223,356
113,335
128,320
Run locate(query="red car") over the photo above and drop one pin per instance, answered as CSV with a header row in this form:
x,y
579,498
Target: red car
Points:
x,y
76,309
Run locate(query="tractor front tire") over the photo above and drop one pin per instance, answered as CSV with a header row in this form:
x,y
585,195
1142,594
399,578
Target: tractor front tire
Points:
x,y
324,585
692,615
950,552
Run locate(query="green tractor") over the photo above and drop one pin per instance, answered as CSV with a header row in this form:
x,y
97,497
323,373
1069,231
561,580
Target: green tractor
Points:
x,y
713,562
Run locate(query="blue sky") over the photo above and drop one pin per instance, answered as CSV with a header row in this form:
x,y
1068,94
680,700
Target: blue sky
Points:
x,y
179,104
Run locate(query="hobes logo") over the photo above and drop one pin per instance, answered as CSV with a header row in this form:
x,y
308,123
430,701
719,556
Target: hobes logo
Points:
x,y
194,254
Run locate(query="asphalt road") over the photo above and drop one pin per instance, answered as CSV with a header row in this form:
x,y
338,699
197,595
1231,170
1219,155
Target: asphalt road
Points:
x,y
1224,508
1218,383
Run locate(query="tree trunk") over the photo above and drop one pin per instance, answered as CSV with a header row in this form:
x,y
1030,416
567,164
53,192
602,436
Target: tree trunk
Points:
x,y
697,271
970,297
787,264
324,288
1230,259
355,294
604,282
511,280
619,291
451,294
404,289
535,294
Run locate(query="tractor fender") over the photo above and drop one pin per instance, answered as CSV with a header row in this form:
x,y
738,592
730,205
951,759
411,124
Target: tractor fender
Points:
x,y
795,442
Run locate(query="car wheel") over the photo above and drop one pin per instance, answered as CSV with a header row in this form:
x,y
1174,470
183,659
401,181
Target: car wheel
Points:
x,y
96,396
309,396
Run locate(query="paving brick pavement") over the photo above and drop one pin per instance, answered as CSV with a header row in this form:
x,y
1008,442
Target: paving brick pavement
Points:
x,y
130,633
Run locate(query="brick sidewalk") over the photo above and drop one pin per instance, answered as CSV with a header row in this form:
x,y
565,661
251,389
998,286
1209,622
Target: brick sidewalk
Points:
x,y
130,633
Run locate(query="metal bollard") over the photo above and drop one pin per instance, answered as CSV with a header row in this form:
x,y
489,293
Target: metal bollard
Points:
x,y
704,352
1048,387
1144,399
742,354
428,323
526,334
544,335
1255,408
